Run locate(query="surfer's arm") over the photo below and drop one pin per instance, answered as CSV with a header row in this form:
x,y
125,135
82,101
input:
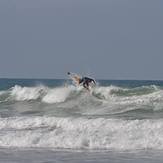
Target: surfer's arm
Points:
x,y
77,79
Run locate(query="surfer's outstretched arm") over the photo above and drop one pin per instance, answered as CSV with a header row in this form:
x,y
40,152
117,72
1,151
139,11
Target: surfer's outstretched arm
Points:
x,y
75,78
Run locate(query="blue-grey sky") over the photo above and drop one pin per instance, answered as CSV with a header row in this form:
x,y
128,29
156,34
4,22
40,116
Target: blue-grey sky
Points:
x,y
111,39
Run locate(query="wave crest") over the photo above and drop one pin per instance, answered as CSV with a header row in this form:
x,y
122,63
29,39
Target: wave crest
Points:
x,y
27,93
45,94
110,99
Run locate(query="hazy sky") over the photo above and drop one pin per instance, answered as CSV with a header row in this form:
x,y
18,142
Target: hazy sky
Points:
x,y
112,39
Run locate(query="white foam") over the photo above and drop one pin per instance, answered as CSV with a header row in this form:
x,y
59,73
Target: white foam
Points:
x,y
2,92
74,133
120,103
27,93
57,95
111,98
106,92
47,95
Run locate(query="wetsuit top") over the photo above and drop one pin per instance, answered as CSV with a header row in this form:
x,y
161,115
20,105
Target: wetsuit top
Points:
x,y
86,80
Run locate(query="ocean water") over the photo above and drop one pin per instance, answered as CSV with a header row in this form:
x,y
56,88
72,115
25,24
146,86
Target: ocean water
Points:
x,y
53,121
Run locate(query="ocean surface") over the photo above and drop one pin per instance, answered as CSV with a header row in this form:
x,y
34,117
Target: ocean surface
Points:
x,y
45,120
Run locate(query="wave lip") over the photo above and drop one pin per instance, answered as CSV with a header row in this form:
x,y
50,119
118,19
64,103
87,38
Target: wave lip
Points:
x,y
27,93
102,100
60,94
43,93
57,95
99,133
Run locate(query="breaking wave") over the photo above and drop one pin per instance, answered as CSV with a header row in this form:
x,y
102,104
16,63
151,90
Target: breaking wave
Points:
x,y
71,117
110,100
43,93
60,94
81,133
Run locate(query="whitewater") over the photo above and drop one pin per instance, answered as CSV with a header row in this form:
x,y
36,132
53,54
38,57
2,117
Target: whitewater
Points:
x,y
55,115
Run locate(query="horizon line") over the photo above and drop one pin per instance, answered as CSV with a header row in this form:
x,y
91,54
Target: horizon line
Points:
x,y
28,78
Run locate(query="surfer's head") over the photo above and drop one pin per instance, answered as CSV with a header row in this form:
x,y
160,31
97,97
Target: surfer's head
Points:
x,y
68,73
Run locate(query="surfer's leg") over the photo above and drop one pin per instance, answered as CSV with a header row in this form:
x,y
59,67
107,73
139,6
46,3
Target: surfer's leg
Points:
x,y
86,85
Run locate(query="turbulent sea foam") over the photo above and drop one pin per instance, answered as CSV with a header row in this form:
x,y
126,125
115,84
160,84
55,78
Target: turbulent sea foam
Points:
x,y
108,117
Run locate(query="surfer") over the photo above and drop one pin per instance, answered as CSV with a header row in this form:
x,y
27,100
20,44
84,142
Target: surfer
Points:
x,y
85,81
